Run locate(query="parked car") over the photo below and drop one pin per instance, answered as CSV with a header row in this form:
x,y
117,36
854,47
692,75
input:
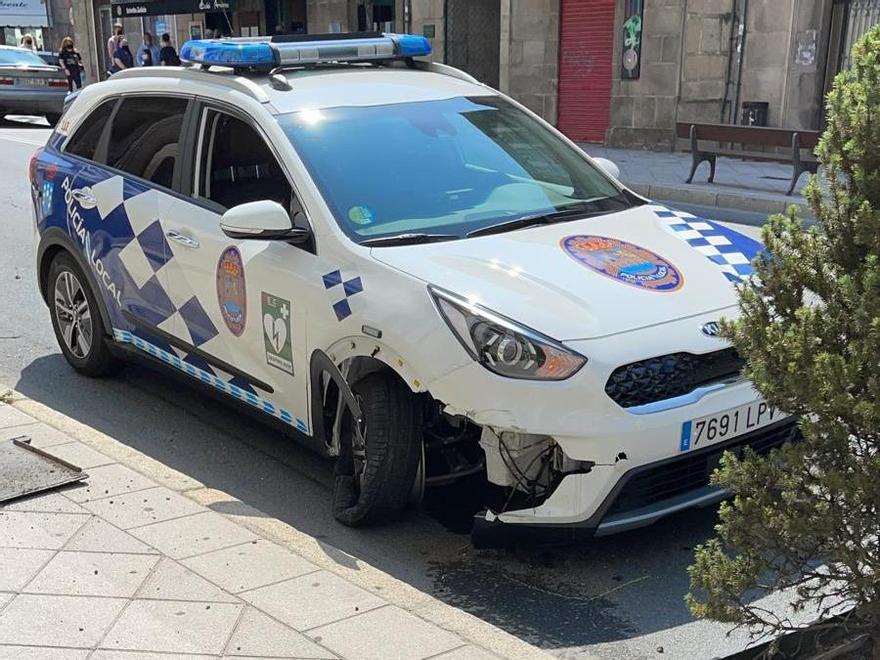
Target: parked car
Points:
x,y
49,57
30,86
405,269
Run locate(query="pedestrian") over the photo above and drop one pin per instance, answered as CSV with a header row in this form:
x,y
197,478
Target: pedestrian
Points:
x,y
113,44
148,53
71,61
27,41
122,58
167,55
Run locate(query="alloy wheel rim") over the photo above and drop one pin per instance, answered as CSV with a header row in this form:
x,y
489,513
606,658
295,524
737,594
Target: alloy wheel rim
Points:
x,y
73,314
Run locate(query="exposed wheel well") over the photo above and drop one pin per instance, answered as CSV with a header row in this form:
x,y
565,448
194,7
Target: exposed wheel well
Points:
x,y
451,450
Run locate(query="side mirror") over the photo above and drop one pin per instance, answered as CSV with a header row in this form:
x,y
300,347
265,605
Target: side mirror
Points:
x,y
608,166
264,221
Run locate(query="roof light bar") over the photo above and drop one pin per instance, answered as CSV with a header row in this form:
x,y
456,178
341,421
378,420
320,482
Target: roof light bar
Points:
x,y
265,54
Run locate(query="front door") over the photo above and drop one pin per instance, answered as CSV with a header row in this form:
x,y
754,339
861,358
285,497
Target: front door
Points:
x,y
241,303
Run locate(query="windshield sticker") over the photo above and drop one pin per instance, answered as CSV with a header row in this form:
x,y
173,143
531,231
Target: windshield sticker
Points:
x,y
732,252
360,215
625,262
350,287
231,292
276,332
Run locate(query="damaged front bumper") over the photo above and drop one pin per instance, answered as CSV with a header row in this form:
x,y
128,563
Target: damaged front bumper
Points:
x,y
627,498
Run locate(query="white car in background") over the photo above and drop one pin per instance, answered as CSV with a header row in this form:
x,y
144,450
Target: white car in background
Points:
x,y
407,270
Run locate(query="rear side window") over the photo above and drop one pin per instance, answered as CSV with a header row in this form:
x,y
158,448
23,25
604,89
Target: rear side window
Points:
x,y
145,137
85,141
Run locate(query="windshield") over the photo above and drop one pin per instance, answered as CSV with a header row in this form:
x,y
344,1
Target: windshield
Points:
x,y
445,167
9,56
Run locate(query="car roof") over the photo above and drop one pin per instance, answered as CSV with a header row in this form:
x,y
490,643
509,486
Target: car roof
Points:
x,y
325,87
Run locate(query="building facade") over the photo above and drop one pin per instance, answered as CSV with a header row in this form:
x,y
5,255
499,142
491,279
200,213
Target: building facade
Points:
x,y
620,72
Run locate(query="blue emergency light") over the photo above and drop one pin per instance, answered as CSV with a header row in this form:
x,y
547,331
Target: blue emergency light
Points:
x,y
264,54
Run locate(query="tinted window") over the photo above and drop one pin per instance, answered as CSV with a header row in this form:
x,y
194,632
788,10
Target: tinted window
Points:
x,y
85,140
144,137
237,166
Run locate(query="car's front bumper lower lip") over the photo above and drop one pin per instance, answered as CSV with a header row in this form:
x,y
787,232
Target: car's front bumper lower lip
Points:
x,y
565,517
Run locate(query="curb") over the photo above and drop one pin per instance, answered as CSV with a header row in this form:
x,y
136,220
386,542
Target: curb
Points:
x,y
396,592
721,199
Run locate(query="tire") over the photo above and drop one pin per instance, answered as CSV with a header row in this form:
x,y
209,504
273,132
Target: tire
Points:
x,y
76,319
53,118
379,491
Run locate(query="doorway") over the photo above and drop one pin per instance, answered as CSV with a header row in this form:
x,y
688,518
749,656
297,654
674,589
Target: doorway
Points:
x,y
473,38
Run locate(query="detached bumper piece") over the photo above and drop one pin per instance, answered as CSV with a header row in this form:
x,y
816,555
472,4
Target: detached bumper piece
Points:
x,y
643,495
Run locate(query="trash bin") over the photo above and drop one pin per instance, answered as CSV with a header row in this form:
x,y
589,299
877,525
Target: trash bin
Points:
x,y
754,113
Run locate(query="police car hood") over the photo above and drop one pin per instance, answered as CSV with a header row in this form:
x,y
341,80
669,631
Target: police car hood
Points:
x,y
593,277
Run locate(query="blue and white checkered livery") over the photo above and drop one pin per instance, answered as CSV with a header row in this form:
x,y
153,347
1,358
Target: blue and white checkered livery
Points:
x,y
729,250
350,287
209,375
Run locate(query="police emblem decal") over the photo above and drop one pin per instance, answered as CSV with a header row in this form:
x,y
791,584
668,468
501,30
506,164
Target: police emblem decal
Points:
x,y
231,292
625,262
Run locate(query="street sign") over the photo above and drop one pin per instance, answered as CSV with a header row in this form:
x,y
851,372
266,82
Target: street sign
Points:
x,y
131,9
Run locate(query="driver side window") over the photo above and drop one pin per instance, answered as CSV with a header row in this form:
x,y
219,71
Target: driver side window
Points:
x,y
236,165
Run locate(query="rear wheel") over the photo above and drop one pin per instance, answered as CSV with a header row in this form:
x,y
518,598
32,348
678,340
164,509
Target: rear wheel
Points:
x,y
374,477
76,319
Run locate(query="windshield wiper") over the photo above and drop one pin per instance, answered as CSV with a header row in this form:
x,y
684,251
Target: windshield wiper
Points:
x,y
534,221
408,239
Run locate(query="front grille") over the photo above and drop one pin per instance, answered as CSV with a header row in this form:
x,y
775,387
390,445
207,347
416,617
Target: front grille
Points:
x,y
668,376
692,471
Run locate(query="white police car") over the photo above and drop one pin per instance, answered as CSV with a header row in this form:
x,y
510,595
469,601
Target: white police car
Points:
x,y
409,269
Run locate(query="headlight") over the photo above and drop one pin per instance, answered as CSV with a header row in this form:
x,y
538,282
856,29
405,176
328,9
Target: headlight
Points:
x,y
504,347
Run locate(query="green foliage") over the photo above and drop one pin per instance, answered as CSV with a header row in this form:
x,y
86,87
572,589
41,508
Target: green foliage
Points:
x,y
805,519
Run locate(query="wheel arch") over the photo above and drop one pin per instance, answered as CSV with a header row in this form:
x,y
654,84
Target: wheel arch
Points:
x,y
53,242
345,362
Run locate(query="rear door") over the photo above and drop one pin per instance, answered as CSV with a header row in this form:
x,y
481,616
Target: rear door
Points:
x,y
117,207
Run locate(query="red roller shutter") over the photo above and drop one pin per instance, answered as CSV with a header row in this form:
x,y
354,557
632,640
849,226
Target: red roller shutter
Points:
x,y
586,43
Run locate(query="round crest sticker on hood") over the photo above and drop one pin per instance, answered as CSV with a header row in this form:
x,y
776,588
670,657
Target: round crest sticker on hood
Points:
x,y
625,262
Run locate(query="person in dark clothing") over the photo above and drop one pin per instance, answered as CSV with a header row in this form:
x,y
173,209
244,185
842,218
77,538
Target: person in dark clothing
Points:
x,y
122,58
71,62
167,54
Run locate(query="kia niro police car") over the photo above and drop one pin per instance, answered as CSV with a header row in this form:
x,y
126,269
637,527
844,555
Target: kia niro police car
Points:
x,y
408,270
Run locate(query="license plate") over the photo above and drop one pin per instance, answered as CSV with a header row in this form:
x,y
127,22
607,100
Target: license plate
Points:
x,y
727,424
33,82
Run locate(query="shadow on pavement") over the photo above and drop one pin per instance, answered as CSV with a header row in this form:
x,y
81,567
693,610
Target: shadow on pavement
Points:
x,y
560,599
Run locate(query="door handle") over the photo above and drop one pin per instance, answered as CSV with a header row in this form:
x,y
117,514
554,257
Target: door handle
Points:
x,y
188,241
84,197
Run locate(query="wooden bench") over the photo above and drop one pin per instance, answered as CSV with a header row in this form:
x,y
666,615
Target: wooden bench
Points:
x,y
752,136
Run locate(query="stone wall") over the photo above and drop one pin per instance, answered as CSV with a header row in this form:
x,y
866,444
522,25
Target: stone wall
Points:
x,y
430,12
705,61
687,79
530,37
324,14
643,110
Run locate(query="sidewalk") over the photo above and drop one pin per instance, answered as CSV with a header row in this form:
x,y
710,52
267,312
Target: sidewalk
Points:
x,y
739,184
120,567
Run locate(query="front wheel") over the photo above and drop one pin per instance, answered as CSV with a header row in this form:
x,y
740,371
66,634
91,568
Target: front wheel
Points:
x,y
374,477
76,319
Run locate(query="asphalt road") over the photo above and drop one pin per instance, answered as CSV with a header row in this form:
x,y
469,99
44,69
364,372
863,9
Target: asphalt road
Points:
x,y
617,597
